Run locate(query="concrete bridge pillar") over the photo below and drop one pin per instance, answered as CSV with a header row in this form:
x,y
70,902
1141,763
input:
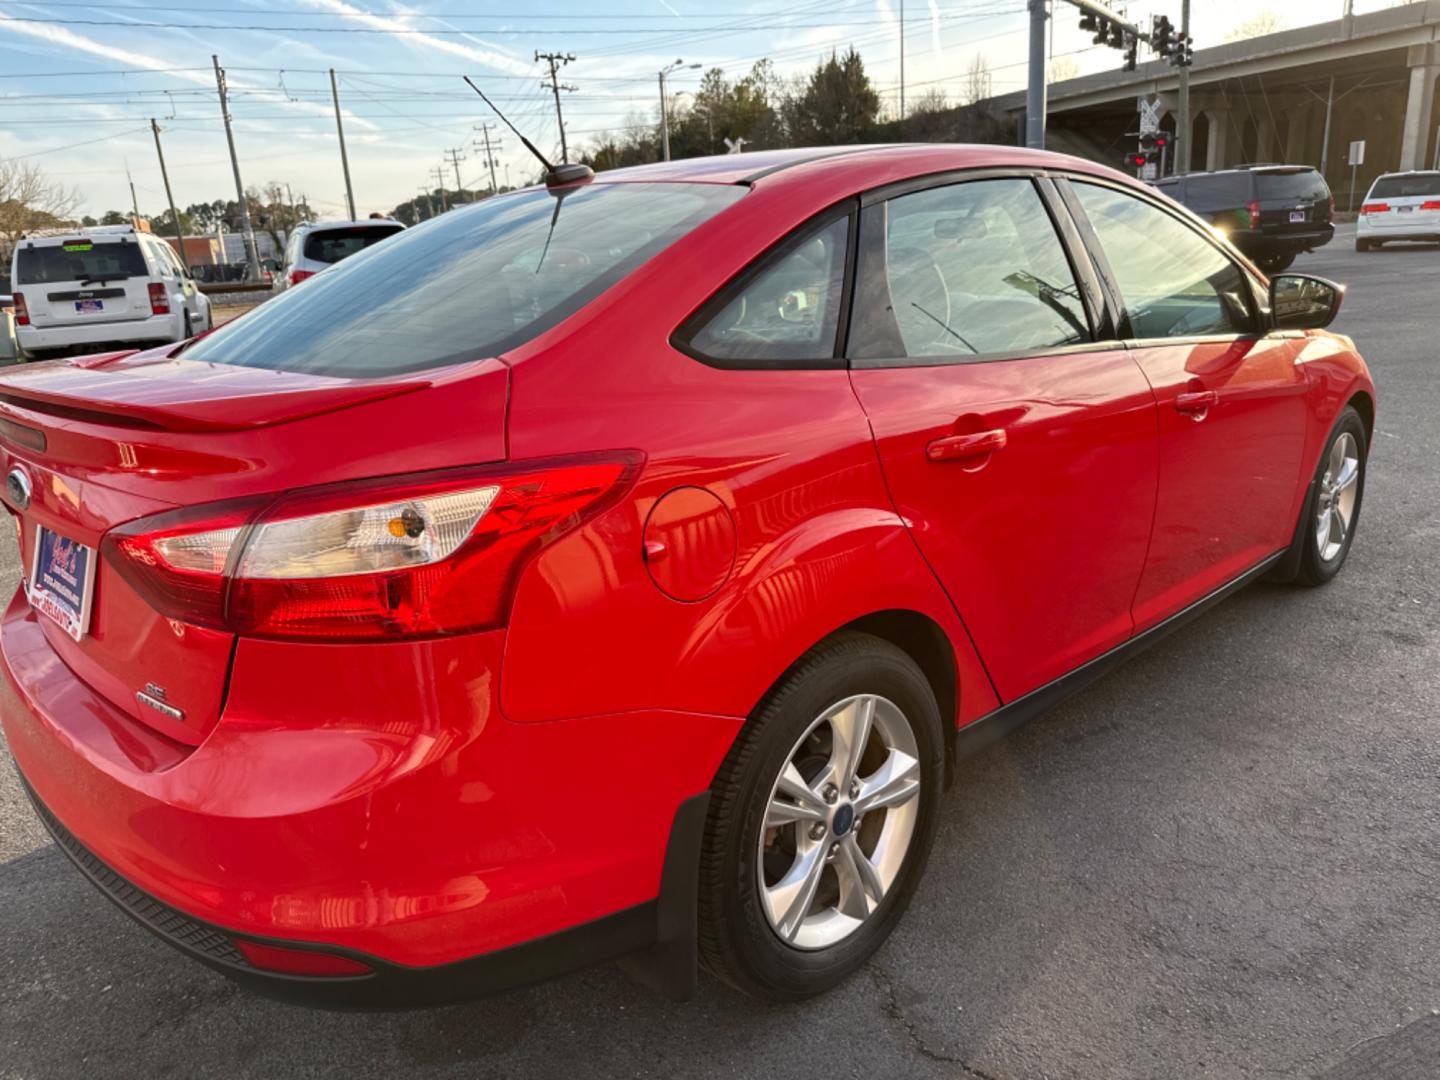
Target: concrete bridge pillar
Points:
x,y
1420,106
1215,148
1296,141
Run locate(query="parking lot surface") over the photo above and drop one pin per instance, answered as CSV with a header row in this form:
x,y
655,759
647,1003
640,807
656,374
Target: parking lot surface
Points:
x,y
1221,861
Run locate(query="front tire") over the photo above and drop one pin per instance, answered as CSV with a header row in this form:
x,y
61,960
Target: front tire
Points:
x,y
1333,511
821,820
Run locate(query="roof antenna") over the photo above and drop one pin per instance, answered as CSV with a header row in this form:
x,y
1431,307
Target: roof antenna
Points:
x,y
555,175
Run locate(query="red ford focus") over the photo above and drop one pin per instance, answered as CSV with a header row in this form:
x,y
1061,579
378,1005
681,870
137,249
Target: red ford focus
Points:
x,y
614,568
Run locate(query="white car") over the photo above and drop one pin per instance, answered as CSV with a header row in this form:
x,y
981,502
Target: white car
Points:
x,y
107,286
1400,206
311,248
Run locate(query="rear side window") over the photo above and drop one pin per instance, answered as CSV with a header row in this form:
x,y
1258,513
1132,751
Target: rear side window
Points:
x,y
1217,191
332,245
1173,281
1406,187
790,310
972,268
79,260
475,282
1299,184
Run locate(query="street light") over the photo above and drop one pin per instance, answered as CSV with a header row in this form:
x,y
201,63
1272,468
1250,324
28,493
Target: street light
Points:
x,y
665,108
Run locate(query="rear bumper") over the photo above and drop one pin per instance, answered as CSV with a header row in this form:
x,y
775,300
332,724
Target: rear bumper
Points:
x,y
373,803
1259,243
1400,229
155,328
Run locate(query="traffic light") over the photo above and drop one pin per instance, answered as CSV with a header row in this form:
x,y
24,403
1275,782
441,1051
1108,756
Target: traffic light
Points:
x,y
1183,54
1132,55
1162,35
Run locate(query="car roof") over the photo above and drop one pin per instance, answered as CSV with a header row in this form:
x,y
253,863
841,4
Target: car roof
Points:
x,y
894,160
319,226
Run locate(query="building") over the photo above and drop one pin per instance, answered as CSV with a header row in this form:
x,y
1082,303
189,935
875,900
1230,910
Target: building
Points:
x,y
1298,96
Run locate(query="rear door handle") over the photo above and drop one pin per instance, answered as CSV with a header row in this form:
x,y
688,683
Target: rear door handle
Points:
x,y
961,447
1196,401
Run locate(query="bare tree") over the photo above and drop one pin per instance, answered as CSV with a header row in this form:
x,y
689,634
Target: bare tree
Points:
x,y
933,100
1062,68
1267,22
31,200
977,81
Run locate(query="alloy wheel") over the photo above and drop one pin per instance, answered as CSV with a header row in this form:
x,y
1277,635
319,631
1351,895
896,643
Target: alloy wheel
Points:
x,y
1335,502
839,821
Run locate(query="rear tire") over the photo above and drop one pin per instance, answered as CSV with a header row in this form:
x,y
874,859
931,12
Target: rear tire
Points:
x,y
1332,512
786,910
1362,245
1273,264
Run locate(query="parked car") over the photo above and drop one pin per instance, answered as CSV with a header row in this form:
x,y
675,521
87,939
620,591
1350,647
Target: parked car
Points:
x,y
1400,206
1270,212
110,286
312,248
626,582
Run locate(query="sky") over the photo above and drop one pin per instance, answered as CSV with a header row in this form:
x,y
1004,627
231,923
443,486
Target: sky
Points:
x,y
79,82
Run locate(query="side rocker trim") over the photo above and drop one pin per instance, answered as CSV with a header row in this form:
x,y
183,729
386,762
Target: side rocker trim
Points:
x,y
977,735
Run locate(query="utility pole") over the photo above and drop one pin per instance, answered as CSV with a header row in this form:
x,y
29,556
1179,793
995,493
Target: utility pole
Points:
x,y
1183,130
665,106
484,130
252,269
344,159
902,59
134,202
556,62
429,201
174,217
455,158
439,174
1035,92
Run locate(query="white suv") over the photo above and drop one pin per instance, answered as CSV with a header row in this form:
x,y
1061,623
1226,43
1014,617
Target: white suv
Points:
x,y
311,248
110,285
1400,206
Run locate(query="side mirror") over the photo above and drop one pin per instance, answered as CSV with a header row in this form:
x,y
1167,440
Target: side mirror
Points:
x,y
1302,302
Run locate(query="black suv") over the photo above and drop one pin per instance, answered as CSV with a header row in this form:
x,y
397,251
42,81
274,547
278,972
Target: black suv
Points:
x,y
1270,212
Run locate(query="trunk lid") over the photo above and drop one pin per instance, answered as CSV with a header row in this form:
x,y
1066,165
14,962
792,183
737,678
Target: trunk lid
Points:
x,y
110,439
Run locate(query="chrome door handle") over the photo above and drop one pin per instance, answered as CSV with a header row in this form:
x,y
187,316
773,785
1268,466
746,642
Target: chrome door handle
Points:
x,y
961,447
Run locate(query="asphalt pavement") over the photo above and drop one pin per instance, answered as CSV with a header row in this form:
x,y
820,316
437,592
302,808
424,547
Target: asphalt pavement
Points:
x,y
1221,861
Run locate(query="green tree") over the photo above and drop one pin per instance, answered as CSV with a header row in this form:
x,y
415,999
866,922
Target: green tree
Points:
x,y
839,104
114,217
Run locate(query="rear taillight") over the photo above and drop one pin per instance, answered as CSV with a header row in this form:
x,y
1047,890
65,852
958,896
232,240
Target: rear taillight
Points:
x,y
416,556
1430,204
159,302
1253,208
1374,208
1330,212
22,313
297,276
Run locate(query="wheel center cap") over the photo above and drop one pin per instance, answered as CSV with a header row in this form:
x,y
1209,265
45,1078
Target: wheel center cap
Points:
x,y
843,820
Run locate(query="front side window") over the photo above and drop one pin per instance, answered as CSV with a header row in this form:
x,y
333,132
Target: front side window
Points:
x,y
476,282
1173,281
789,311
971,268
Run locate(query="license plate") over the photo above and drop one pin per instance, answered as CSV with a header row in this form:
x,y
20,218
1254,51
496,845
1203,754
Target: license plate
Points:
x,y
1405,209
89,307
62,580
1297,216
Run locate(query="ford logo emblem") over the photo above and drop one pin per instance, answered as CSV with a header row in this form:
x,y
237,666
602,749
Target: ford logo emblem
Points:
x,y
17,486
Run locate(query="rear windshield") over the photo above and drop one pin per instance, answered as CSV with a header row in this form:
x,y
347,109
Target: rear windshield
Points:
x,y
474,282
79,260
1404,187
1303,184
1220,191
332,245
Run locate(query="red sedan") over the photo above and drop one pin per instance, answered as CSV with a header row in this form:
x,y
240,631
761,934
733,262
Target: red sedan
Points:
x,y
615,568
